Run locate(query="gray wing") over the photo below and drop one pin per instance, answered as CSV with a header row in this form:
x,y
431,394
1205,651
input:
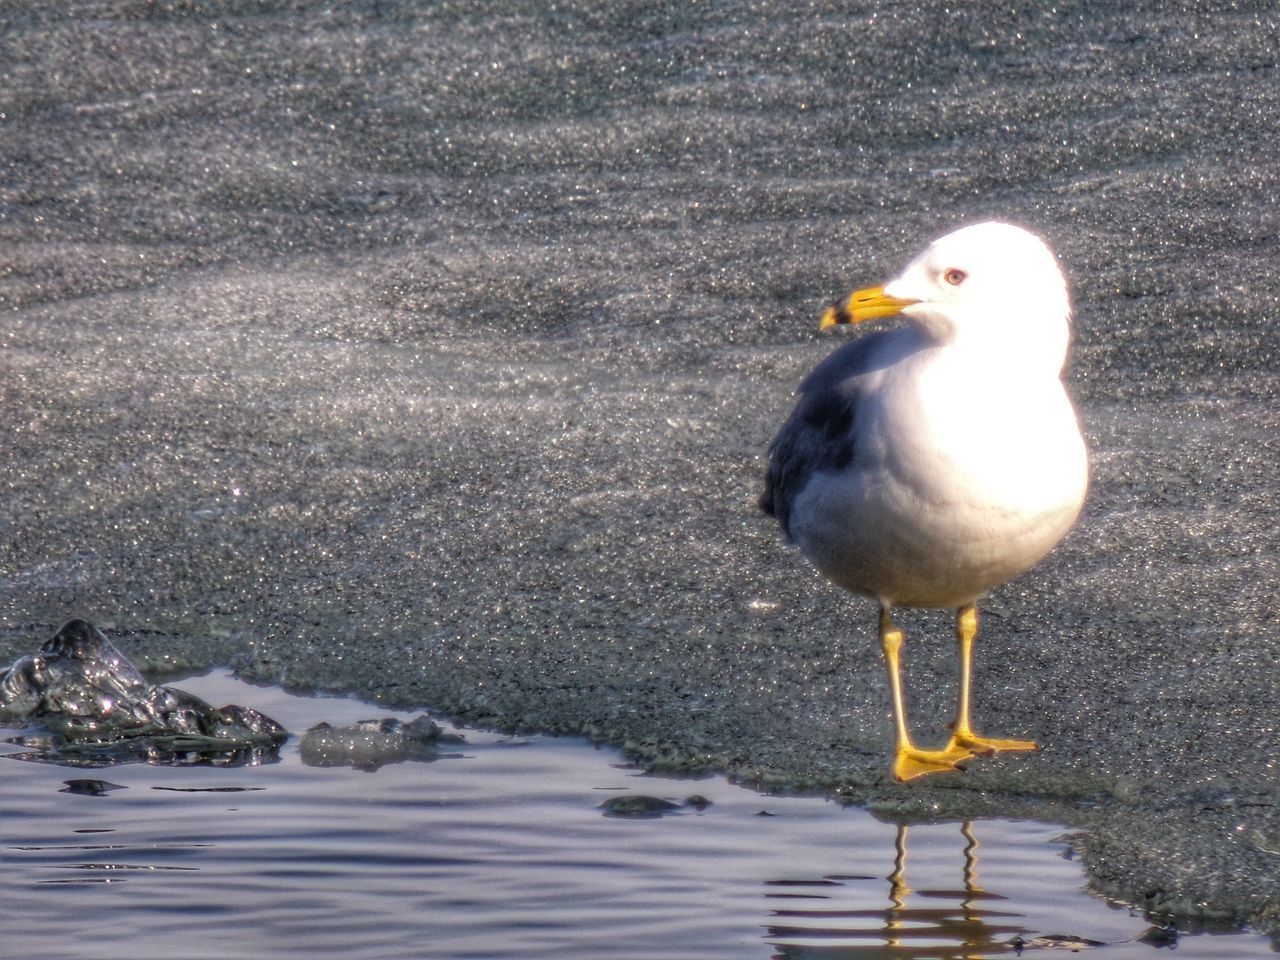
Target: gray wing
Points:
x,y
818,435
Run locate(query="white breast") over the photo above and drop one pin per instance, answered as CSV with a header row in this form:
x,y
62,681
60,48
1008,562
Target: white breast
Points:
x,y
961,481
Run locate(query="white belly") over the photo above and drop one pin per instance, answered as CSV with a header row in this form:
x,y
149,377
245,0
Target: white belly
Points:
x,y
951,492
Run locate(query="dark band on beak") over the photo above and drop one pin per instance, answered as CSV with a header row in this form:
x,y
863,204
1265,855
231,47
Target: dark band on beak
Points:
x,y
835,313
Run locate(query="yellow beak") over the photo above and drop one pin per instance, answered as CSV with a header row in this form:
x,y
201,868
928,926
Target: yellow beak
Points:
x,y
863,305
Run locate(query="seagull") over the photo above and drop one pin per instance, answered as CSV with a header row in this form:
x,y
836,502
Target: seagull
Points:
x,y
926,464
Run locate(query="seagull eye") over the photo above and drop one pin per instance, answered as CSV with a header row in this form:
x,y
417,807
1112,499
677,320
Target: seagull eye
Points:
x,y
955,276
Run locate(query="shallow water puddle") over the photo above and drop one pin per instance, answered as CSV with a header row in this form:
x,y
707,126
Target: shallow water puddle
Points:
x,y
502,848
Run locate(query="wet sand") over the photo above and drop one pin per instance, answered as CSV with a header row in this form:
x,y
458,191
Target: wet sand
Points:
x,y
434,353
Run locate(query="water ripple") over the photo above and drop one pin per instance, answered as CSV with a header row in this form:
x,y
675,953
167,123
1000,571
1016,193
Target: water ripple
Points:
x,y
509,854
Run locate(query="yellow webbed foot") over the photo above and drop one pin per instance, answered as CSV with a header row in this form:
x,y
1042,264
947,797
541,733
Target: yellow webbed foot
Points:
x,y
911,762
985,746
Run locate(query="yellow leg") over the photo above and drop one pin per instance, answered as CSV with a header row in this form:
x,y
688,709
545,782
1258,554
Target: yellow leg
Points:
x,y
963,736
910,761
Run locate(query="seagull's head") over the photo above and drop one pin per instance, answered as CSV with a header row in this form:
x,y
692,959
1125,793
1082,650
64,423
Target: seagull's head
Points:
x,y
990,283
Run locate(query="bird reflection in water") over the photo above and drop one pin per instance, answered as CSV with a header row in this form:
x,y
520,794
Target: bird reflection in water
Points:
x,y
955,924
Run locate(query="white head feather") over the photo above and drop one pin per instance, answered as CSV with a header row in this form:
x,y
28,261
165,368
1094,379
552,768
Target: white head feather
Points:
x,y
993,286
